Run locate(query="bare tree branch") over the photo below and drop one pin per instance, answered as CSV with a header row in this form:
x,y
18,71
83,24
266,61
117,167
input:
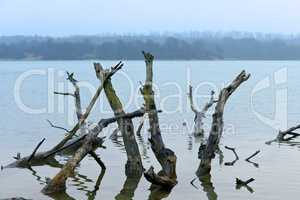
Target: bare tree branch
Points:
x,y
134,162
199,115
57,184
35,150
217,124
281,137
190,95
64,93
58,127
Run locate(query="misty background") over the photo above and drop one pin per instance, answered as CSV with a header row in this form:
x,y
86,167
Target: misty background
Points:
x,y
192,29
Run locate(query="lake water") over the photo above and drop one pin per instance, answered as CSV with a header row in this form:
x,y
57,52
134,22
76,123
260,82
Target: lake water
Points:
x,y
268,101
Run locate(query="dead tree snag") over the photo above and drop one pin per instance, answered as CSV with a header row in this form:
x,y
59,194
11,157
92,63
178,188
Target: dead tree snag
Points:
x,y
217,124
165,156
58,183
134,162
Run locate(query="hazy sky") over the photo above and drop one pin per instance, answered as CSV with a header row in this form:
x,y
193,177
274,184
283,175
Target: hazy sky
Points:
x,y
66,17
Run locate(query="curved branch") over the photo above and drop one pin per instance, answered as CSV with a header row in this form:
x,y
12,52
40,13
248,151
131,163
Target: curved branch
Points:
x,y
190,95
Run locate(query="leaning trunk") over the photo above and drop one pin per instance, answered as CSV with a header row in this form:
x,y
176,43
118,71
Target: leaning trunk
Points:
x,y
134,161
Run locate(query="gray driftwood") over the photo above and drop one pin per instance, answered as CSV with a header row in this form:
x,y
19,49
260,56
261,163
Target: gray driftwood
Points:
x,y
217,124
166,157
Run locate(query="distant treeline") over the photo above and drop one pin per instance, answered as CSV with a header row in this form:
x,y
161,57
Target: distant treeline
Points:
x,y
166,47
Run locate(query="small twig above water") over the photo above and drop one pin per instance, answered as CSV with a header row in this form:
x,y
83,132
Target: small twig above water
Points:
x,y
240,183
235,154
58,127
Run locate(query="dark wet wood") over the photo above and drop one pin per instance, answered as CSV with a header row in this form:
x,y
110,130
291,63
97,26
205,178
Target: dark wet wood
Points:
x,y
58,183
281,137
134,162
217,124
165,156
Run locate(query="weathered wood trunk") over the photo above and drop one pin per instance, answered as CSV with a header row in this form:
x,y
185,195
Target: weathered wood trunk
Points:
x,y
58,183
208,187
134,162
166,157
129,187
217,124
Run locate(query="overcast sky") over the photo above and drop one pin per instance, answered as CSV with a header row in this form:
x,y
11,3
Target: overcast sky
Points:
x,y
72,17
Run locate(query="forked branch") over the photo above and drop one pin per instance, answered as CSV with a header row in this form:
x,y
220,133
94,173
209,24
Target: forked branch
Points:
x,y
217,124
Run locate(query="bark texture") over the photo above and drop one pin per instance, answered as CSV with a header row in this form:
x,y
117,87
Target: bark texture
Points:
x,y
166,157
134,162
58,183
217,124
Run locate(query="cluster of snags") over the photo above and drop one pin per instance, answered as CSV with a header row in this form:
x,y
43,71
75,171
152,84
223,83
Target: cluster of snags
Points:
x,y
83,139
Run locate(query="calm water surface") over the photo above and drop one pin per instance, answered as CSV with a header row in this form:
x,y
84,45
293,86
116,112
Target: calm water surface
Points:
x,y
268,101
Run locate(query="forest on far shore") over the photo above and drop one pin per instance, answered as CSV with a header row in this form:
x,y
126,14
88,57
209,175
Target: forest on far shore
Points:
x,y
192,46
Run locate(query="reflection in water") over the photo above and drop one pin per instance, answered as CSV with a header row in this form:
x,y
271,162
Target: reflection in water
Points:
x,y
221,156
190,142
79,180
240,184
129,187
208,187
118,142
250,189
253,163
158,193
38,178
61,196
145,146
57,196
289,143
231,163
92,194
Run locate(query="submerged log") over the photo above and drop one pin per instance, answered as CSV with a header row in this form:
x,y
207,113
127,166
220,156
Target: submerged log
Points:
x,y
208,187
58,183
129,187
281,137
165,156
217,124
199,115
134,162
